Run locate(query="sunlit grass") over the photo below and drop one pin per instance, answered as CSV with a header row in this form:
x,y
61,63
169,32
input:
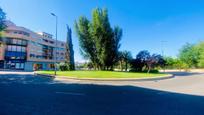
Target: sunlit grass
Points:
x,y
102,74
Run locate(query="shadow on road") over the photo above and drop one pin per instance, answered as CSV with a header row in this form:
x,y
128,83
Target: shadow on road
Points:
x,y
24,78
184,73
36,95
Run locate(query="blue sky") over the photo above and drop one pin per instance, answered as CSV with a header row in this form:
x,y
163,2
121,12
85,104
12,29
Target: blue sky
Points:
x,y
145,23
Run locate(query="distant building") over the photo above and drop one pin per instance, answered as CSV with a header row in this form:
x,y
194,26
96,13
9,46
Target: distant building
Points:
x,y
23,49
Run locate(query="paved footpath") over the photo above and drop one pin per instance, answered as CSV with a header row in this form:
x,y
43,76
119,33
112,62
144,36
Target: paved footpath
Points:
x,y
26,94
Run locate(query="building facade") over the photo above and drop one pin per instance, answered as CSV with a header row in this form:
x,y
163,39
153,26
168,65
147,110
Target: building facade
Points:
x,y
23,49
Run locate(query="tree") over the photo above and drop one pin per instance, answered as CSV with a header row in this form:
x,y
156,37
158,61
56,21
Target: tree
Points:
x,y
2,21
174,63
200,51
145,61
69,56
2,24
169,62
86,42
139,62
124,56
189,55
98,41
154,61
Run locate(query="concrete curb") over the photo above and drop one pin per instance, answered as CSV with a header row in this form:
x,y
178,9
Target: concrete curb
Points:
x,y
44,75
111,79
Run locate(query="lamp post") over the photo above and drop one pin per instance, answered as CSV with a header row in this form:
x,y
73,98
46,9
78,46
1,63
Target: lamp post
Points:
x,y
55,43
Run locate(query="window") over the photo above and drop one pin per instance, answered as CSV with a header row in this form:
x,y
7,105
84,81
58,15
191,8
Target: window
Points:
x,y
14,41
9,48
17,65
24,42
51,42
13,48
22,65
23,49
13,57
18,48
32,55
45,40
19,42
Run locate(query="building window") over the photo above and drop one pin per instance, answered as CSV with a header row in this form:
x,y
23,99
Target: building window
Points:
x,y
23,49
51,42
13,48
9,48
18,48
15,41
19,42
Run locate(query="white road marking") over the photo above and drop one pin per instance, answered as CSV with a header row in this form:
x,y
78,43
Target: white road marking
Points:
x,y
71,93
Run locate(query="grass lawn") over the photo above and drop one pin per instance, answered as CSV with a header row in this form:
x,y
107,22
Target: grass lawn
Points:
x,y
102,74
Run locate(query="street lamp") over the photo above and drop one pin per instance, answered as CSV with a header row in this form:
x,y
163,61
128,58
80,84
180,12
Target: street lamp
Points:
x,y
55,43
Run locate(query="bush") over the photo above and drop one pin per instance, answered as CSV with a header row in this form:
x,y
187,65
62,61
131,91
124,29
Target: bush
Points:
x,y
152,71
63,67
145,71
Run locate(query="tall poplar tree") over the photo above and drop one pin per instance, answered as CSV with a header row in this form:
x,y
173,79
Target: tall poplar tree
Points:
x,y
69,50
2,23
98,41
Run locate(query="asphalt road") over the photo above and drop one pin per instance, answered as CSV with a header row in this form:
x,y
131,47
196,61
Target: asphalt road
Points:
x,y
25,94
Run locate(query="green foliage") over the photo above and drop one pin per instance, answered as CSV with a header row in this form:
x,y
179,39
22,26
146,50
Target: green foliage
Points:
x,y
146,62
174,63
200,49
139,63
169,62
189,54
145,71
2,21
124,59
65,67
98,41
69,52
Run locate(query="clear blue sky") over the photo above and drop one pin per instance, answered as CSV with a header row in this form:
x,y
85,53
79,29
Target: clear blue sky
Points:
x,y
145,23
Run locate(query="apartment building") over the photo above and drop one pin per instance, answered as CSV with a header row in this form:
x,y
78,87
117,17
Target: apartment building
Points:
x,y
23,49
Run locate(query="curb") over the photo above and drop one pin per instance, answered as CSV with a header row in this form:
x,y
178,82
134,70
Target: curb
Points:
x,y
44,75
169,76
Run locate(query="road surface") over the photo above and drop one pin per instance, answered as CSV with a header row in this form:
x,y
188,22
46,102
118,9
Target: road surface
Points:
x,y
24,94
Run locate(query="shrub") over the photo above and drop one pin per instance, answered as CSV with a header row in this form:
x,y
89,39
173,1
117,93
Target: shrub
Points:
x,y
145,71
64,67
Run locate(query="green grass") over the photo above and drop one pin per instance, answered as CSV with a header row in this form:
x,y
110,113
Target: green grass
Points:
x,y
102,74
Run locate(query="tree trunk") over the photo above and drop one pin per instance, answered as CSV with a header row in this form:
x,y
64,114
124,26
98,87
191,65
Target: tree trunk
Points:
x,y
121,65
125,65
149,68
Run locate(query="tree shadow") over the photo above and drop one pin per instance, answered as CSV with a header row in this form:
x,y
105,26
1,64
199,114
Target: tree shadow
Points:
x,y
37,96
